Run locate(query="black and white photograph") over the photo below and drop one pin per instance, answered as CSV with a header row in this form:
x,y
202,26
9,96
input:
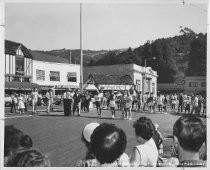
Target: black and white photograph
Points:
x,y
104,83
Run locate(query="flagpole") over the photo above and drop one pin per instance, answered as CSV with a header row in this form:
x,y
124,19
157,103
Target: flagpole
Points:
x,y
81,52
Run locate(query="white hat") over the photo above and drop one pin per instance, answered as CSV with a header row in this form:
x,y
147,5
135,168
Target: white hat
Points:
x,y
156,126
88,130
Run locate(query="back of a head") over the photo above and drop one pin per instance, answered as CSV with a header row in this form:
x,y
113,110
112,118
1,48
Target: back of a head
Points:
x,y
29,158
144,128
26,141
108,142
12,139
190,132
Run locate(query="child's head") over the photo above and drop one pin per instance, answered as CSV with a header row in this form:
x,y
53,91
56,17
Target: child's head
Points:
x,y
144,129
29,158
108,142
156,126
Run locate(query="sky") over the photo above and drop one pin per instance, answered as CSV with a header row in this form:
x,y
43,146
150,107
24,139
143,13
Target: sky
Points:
x,y
107,26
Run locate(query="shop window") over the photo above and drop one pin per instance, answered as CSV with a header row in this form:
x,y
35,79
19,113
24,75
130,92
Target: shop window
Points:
x,y
203,84
26,79
72,77
54,76
16,79
19,65
193,84
7,78
40,75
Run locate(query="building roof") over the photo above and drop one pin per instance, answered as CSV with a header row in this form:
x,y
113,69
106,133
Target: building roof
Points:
x,y
110,79
40,56
20,85
11,47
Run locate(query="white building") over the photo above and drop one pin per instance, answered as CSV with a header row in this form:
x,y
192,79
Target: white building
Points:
x,y
54,72
136,72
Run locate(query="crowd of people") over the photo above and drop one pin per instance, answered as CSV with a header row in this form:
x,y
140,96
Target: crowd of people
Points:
x,y
106,144
126,101
21,101
132,100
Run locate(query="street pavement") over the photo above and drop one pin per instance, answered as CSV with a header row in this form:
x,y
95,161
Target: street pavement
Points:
x,y
60,137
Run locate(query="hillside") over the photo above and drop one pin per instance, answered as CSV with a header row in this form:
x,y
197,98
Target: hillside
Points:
x,y
176,57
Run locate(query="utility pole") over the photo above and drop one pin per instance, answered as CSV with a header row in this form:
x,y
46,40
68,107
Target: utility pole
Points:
x,y
70,57
81,52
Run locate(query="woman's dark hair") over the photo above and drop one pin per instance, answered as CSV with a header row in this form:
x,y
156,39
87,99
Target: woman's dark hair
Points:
x,y
29,158
108,142
190,132
144,128
26,141
12,139
15,138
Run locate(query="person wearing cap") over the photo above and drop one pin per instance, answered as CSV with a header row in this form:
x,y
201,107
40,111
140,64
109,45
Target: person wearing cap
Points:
x,y
89,160
67,102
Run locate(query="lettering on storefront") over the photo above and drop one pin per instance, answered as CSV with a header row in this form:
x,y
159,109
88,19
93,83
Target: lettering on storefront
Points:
x,y
115,87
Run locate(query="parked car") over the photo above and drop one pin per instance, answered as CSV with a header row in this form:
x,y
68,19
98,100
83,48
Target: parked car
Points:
x,y
7,101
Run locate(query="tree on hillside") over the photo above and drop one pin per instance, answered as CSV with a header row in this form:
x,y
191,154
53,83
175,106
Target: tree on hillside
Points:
x,y
197,56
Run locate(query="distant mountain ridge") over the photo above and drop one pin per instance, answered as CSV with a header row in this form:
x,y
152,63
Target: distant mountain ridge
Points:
x,y
176,57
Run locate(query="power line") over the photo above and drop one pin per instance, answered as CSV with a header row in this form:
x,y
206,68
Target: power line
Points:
x,y
199,7
196,6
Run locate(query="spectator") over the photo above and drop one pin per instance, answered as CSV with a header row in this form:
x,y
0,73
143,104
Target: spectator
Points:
x,y
173,102
14,103
128,105
158,138
67,102
77,102
122,104
145,154
21,105
14,142
98,99
48,101
112,103
87,101
89,160
108,143
139,99
29,158
195,107
187,105
189,135
150,103
34,98
180,106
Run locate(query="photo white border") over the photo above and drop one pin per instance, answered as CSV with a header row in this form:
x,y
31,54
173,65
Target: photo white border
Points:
x,y
2,38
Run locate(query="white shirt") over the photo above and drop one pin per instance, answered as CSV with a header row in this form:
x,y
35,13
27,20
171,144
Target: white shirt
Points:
x,y
148,153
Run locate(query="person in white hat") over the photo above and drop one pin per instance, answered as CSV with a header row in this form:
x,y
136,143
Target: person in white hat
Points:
x,y
89,159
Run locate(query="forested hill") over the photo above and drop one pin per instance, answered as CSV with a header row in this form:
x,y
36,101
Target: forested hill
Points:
x,y
176,57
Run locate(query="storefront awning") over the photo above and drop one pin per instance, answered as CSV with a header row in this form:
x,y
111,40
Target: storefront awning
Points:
x,y
90,87
21,86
